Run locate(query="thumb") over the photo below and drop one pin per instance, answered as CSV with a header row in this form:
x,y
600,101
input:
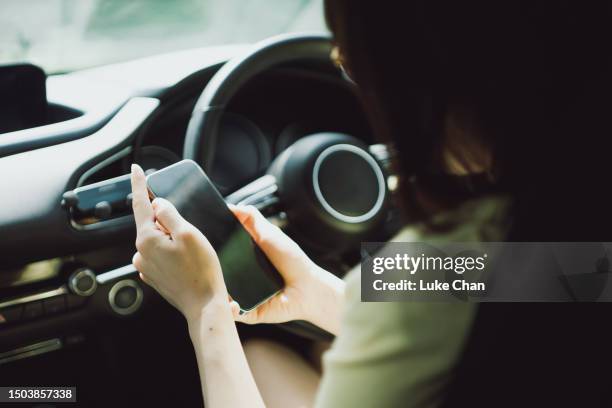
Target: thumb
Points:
x,y
273,310
167,215
250,317
282,251
240,316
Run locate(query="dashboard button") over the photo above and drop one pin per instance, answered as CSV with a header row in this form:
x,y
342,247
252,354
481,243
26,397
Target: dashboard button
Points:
x,y
125,297
54,305
32,310
83,282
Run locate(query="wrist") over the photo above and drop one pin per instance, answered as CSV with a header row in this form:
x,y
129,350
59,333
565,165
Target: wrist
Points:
x,y
324,305
216,309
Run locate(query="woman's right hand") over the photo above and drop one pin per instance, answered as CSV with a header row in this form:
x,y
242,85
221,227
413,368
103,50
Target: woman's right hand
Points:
x,y
310,292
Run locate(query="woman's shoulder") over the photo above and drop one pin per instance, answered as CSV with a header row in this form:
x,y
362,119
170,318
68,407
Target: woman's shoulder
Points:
x,y
402,353
480,220
379,340
484,219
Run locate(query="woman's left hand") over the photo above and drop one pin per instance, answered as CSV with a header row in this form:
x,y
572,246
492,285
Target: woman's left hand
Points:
x,y
173,256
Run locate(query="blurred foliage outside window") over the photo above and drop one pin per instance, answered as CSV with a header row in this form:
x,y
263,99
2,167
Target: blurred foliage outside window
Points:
x,y
64,35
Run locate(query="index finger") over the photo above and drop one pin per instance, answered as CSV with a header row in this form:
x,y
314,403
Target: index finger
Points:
x,y
143,211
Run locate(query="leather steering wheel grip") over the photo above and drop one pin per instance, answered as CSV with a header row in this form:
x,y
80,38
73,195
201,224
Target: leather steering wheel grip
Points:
x,y
201,136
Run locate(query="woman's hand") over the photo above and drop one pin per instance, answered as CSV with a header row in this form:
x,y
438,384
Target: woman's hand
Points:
x,y
310,293
173,256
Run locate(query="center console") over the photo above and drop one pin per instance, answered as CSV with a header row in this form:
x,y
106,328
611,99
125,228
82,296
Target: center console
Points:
x,y
48,306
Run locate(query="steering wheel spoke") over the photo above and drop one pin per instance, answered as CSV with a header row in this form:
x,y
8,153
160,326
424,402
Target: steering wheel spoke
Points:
x,y
261,193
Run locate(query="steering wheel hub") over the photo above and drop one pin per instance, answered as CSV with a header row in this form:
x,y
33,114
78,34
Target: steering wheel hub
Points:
x,y
348,183
333,189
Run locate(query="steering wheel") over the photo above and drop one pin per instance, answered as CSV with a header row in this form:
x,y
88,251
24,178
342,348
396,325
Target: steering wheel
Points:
x,y
331,188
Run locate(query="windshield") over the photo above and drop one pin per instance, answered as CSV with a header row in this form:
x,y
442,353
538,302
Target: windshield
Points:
x,y
64,35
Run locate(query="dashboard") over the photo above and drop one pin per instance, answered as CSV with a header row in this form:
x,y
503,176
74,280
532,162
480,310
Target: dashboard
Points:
x,y
145,121
133,112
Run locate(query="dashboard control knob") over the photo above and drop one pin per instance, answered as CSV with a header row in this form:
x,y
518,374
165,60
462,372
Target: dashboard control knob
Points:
x,y
83,282
125,297
103,210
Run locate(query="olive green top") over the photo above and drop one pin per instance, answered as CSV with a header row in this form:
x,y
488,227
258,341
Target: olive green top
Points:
x,y
401,354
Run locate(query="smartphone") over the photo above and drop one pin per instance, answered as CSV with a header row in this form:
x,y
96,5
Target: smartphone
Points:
x,y
250,277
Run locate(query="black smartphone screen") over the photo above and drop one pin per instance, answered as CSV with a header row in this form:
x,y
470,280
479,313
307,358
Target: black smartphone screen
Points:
x,y
249,276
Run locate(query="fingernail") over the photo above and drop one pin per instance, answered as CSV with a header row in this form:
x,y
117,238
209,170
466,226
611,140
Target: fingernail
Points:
x,y
137,169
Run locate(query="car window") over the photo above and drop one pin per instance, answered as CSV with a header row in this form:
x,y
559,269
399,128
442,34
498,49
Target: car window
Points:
x,y
64,35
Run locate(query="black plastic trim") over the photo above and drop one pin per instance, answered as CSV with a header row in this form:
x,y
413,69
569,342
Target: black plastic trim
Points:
x,y
47,135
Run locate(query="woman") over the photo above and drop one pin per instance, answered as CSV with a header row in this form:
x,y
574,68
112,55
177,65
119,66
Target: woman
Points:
x,y
495,109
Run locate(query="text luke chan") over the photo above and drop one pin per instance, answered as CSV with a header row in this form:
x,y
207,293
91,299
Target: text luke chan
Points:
x,y
436,285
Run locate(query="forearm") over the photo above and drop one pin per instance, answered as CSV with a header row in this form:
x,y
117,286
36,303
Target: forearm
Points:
x,y
326,309
224,372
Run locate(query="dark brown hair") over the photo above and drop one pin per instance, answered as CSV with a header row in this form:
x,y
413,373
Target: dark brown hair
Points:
x,y
533,73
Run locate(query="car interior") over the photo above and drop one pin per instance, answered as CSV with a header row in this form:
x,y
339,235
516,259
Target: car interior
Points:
x,y
257,117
